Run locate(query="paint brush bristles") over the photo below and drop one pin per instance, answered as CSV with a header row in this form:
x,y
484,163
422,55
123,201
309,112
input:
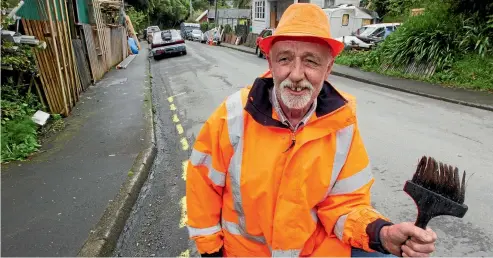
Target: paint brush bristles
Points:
x,y
440,178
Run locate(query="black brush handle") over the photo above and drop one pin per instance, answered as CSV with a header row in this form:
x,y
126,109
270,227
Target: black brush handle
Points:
x,y
422,220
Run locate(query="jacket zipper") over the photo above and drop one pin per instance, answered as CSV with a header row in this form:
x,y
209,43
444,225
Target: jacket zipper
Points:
x,y
293,141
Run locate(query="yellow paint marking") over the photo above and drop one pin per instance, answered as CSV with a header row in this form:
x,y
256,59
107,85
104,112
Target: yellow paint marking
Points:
x,y
183,219
184,166
172,107
170,99
179,128
175,118
184,144
185,254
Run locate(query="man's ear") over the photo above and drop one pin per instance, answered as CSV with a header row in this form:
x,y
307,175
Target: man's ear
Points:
x,y
329,68
269,61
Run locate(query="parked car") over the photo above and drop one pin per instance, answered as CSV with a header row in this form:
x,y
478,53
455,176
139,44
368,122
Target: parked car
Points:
x,y
369,36
198,35
150,32
187,35
167,42
265,33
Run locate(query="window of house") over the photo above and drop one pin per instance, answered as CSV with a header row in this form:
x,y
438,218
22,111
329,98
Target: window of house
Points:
x,y
259,9
345,19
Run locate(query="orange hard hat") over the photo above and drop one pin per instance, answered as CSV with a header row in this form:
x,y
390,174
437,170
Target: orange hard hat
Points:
x,y
303,21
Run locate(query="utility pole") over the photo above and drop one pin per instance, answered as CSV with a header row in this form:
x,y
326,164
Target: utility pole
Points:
x,y
191,9
216,20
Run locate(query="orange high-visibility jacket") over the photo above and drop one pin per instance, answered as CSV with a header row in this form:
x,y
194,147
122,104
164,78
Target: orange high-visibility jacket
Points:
x,y
256,188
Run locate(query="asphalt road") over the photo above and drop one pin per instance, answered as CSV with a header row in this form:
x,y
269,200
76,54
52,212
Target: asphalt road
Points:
x,y
398,128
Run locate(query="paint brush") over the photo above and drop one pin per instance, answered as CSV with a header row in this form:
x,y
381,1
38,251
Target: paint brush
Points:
x,y
437,189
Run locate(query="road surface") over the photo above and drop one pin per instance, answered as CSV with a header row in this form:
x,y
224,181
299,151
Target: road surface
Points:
x,y
397,128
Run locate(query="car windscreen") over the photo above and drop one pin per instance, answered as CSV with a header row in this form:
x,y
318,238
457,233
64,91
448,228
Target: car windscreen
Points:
x,y
368,31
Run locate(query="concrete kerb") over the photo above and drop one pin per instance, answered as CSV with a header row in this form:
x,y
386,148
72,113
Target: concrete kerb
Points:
x,y
427,95
239,49
104,236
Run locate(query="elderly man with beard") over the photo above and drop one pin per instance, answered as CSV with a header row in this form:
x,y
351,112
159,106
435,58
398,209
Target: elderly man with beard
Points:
x,y
280,169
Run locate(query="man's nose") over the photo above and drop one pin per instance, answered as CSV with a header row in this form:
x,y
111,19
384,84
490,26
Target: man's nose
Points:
x,y
297,72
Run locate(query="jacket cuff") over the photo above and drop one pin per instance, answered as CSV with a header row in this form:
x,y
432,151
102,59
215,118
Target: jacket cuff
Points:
x,y
373,230
216,254
209,244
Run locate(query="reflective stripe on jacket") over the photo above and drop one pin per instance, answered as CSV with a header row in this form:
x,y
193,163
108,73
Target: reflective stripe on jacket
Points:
x,y
258,189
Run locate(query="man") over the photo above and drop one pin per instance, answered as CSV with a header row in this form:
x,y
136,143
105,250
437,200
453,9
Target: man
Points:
x,y
280,169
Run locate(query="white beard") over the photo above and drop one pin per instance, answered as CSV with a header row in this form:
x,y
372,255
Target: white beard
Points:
x,y
294,101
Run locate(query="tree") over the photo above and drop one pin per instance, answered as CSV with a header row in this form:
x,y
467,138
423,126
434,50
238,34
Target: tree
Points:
x,y
138,18
480,8
241,3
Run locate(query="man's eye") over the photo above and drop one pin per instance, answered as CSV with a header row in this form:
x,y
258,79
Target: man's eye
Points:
x,y
283,59
312,62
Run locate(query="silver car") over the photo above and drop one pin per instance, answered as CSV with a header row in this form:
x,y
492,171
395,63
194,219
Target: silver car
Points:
x,y
167,42
198,35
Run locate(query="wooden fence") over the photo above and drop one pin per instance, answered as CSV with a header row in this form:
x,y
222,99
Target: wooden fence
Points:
x,y
118,49
67,66
100,63
82,64
56,64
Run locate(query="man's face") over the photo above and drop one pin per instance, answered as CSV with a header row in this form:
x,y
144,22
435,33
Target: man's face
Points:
x,y
299,70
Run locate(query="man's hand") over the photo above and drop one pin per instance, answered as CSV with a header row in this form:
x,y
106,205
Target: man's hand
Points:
x,y
407,240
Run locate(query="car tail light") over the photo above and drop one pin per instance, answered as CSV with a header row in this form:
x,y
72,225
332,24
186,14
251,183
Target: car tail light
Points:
x,y
167,44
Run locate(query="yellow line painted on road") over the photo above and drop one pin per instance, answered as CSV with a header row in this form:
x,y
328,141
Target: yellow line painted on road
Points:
x,y
185,254
170,99
184,165
175,118
183,219
184,144
172,107
179,128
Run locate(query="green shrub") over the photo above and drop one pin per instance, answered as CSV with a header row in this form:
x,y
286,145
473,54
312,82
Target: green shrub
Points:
x,y
367,60
204,26
19,139
18,131
352,58
211,26
227,29
428,38
470,71
476,36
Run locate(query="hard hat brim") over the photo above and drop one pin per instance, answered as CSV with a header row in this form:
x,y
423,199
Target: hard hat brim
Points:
x,y
335,45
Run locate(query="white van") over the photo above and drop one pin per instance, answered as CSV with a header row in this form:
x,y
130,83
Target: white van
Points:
x,y
369,35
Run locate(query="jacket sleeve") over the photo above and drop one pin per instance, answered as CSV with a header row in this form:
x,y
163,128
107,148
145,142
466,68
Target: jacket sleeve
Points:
x,y
206,177
347,212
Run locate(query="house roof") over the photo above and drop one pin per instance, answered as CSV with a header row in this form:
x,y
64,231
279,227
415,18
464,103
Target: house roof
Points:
x,y
202,15
234,13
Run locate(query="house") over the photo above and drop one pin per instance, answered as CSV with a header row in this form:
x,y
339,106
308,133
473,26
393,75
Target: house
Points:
x,y
267,13
203,17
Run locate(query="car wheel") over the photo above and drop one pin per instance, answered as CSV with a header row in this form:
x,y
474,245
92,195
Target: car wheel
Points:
x,y
258,52
156,58
184,52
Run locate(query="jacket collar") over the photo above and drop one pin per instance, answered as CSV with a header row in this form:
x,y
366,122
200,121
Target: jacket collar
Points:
x,y
259,105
